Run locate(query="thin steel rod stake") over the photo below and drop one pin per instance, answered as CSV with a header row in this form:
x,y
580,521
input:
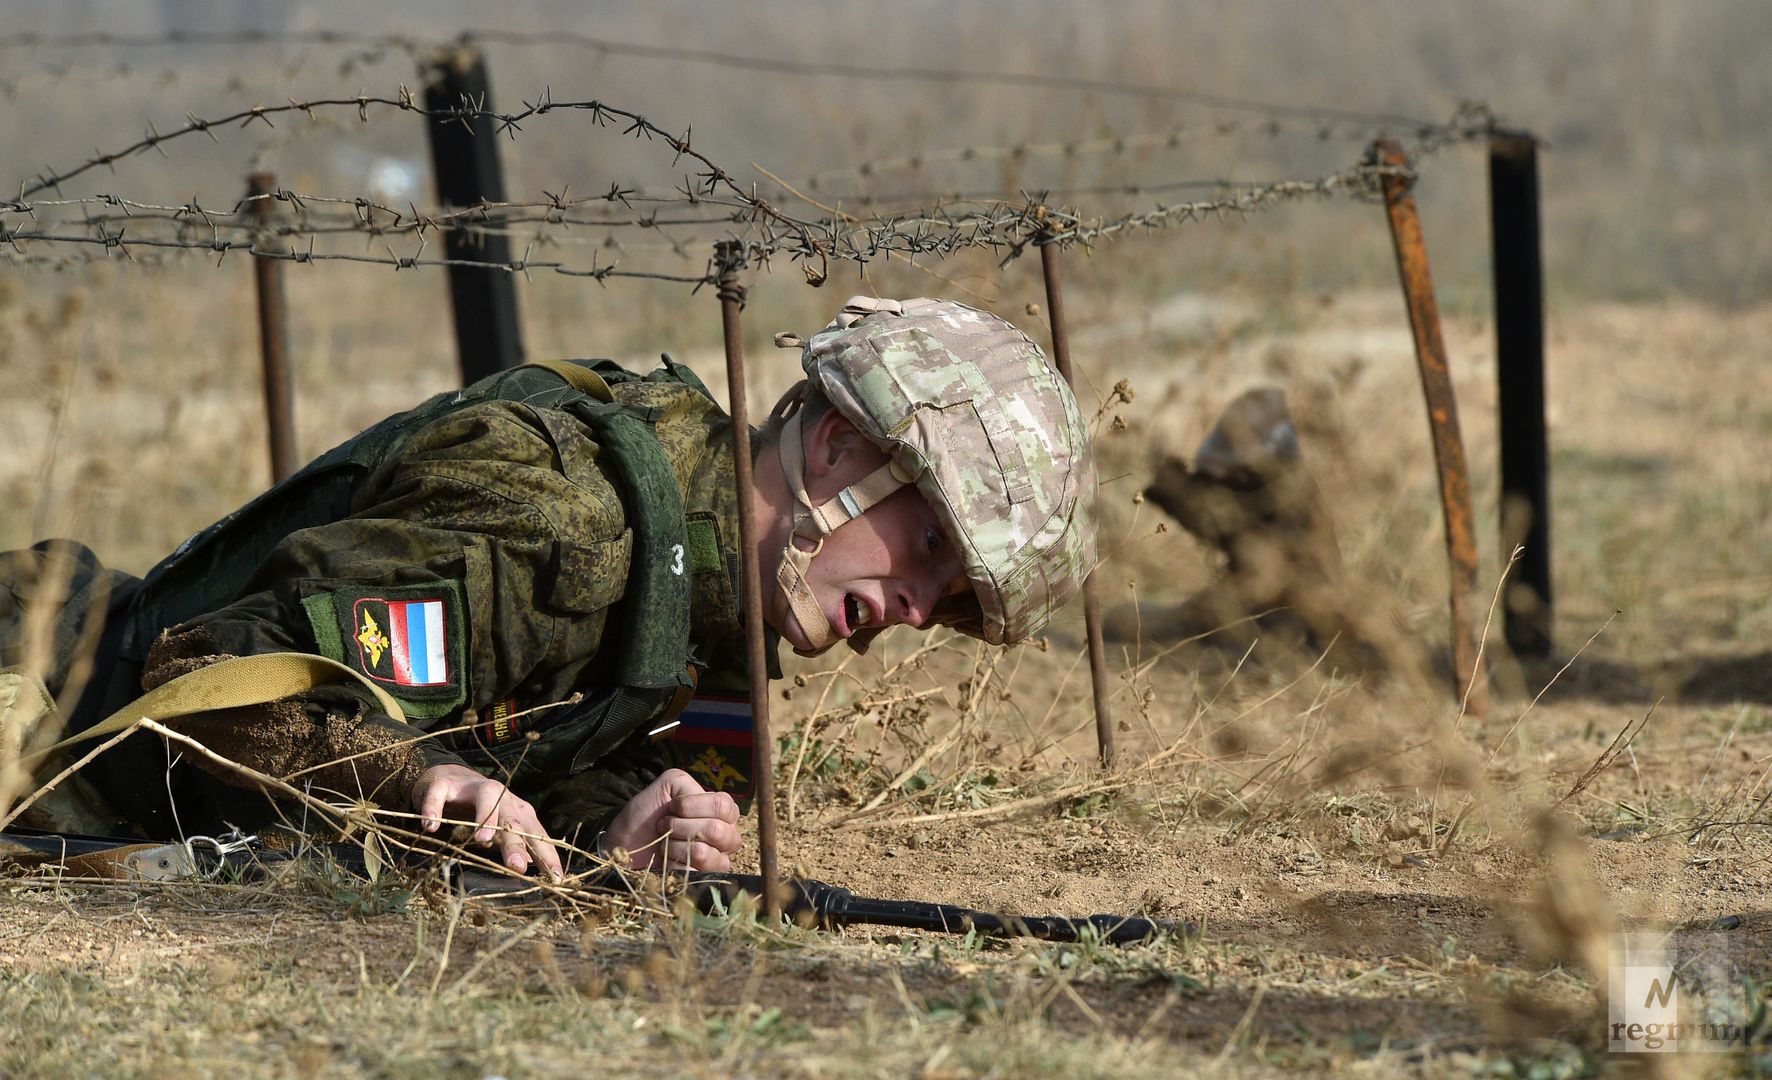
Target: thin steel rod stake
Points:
x,y
1519,374
729,256
273,338
1098,677
1442,418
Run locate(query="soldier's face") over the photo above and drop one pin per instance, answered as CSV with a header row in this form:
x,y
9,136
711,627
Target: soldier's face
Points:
x,y
892,564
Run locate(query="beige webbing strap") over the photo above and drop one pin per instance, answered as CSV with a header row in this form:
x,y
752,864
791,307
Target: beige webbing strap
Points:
x,y
824,518
577,376
856,499
229,684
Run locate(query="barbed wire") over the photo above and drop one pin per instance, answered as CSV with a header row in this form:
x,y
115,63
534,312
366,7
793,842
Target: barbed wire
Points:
x,y
1470,121
1174,137
555,209
1009,229
791,66
1003,228
232,82
120,243
467,114
723,207
11,86
1006,228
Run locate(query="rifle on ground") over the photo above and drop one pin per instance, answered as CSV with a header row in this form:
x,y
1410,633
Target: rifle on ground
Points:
x,y
808,902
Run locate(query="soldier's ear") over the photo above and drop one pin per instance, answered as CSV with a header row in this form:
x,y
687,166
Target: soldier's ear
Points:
x,y
830,440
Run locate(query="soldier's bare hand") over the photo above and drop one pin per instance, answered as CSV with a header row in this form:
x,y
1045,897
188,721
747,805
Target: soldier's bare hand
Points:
x,y
675,823
458,793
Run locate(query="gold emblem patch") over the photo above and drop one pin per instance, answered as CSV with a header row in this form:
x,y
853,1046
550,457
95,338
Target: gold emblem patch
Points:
x,y
372,639
716,770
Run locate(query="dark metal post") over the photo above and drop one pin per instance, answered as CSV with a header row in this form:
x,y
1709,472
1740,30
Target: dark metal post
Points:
x,y
1519,366
464,155
1098,677
1442,416
273,337
729,257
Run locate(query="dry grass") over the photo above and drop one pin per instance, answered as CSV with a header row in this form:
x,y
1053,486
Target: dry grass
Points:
x,y
1384,886
1378,885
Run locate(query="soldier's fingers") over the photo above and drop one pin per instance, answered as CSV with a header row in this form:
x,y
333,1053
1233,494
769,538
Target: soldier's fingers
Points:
x,y
696,856
707,804
711,831
705,856
518,831
487,798
430,811
547,857
536,837
679,783
514,849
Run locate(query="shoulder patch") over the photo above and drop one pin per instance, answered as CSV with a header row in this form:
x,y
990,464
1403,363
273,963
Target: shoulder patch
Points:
x,y
703,534
410,639
713,740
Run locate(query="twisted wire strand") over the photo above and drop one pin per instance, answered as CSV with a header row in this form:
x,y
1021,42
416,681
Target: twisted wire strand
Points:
x,y
937,228
791,66
1001,226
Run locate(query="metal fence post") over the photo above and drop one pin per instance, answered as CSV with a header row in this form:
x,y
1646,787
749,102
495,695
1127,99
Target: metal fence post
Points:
x,y
729,257
464,156
273,337
1442,416
1061,356
1519,370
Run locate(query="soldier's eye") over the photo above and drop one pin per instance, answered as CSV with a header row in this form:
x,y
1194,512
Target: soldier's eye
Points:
x,y
932,540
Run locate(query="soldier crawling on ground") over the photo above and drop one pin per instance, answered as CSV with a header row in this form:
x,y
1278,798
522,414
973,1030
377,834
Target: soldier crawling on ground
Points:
x,y
542,572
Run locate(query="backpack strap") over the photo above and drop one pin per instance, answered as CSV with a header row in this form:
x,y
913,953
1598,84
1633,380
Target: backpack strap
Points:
x,y
580,377
652,655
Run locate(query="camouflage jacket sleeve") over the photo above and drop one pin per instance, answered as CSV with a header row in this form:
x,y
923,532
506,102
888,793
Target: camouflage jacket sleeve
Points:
x,y
478,565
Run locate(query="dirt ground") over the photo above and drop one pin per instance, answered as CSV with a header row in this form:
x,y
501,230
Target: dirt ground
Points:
x,y
1368,879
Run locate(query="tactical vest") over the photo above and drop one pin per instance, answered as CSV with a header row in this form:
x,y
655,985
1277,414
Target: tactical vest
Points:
x,y
652,665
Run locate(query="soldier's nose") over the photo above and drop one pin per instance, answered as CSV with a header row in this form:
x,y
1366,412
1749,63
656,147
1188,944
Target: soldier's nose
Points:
x,y
914,611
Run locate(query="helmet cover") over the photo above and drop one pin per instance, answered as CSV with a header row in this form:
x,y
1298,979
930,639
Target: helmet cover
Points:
x,y
967,404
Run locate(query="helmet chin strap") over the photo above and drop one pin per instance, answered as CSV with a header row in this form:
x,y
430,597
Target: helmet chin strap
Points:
x,y
813,523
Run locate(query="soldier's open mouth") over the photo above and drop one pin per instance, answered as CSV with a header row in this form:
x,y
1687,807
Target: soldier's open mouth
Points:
x,y
852,611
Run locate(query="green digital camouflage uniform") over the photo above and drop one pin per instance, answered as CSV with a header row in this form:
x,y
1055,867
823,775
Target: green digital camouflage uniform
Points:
x,y
479,578
537,577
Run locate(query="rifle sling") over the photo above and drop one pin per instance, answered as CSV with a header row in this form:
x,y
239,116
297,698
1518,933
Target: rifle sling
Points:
x,y
227,684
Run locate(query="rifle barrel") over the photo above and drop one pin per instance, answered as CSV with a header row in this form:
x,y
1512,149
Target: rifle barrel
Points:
x,y
815,902
832,906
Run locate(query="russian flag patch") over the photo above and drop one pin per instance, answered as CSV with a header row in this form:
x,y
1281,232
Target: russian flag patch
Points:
x,y
713,740
411,639
414,639
722,720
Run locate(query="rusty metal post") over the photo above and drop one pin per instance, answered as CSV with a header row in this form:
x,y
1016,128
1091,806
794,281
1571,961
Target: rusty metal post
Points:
x,y
729,257
1519,375
1442,416
1061,355
273,338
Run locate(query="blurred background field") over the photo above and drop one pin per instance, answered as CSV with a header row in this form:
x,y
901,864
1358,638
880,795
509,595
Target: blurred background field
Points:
x,y
1358,850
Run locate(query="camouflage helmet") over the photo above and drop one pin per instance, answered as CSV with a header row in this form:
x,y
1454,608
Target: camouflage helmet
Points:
x,y
967,407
